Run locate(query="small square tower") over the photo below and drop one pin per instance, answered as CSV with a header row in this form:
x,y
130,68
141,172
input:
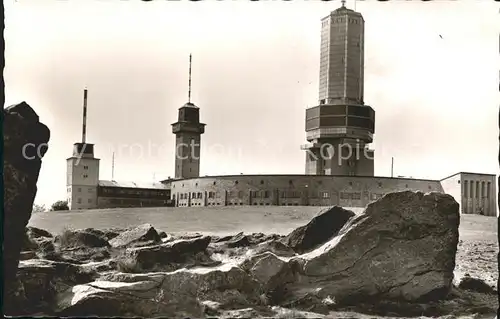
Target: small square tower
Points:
x,y
82,177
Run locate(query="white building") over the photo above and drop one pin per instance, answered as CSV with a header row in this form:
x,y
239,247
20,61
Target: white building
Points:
x,y
474,192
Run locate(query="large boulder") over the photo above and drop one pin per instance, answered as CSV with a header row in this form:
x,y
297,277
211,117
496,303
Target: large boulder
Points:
x,y
402,247
136,235
178,294
319,230
25,142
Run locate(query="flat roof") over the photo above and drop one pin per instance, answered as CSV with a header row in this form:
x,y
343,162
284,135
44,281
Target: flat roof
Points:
x,y
296,175
143,185
483,174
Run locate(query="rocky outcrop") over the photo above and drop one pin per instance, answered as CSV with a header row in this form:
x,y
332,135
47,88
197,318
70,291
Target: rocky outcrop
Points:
x,y
397,258
320,229
176,295
25,142
402,247
142,234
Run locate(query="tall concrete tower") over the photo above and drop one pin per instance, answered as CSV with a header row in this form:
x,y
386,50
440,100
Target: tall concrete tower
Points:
x,y
82,174
188,130
340,128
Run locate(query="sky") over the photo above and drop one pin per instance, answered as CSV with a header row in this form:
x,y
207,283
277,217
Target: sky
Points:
x,y
255,71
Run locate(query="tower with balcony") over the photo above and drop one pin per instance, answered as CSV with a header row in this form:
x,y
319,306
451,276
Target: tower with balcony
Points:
x,y
188,130
340,128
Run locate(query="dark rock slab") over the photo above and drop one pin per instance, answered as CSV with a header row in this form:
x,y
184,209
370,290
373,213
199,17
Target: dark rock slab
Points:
x,y
319,230
475,284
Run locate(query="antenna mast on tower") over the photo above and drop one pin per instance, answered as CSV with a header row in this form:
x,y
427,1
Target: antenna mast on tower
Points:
x,y
113,167
84,125
189,92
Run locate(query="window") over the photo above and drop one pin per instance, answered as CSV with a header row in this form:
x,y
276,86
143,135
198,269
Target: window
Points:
x,y
90,200
79,190
266,194
211,194
85,176
240,194
356,195
379,184
477,189
90,190
483,190
85,167
214,182
261,182
236,182
471,190
466,189
325,195
488,191
290,182
193,195
200,195
79,201
344,195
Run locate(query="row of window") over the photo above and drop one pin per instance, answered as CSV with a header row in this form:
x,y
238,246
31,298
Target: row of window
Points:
x,y
79,190
133,192
79,201
283,194
476,189
290,182
340,20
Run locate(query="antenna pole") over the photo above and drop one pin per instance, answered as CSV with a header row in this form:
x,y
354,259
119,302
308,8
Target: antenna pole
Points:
x,y
392,166
84,124
113,167
189,92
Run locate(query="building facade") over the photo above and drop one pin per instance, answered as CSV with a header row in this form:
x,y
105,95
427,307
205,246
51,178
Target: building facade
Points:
x,y
290,190
474,192
340,129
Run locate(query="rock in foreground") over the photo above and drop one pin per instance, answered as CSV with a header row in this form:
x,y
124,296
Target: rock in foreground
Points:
x,y
25,142
402,247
